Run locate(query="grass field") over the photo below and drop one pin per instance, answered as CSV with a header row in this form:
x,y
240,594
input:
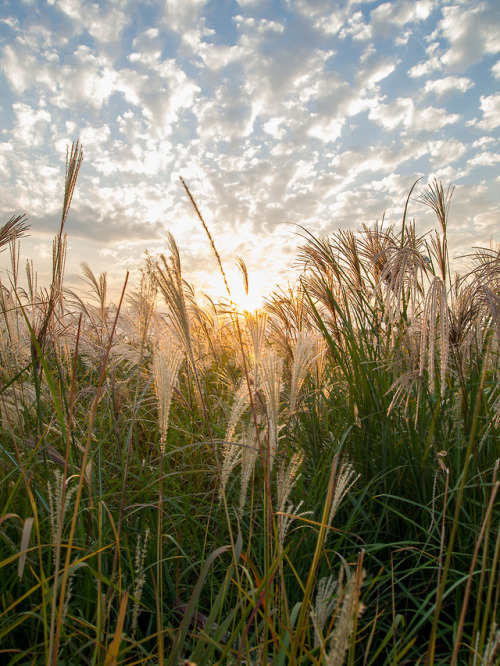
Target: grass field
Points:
x,y
312,483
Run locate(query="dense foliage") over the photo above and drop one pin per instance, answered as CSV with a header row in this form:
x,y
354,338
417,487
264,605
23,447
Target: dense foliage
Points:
x,y
312,483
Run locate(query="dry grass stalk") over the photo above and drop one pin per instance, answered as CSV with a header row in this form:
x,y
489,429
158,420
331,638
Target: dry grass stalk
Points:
x,y
209,235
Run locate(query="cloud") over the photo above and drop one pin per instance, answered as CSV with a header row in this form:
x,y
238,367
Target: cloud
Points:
x,y
32,126
81,78
393,15
490,106
374,69
446,152
161,92
425,67
448,84
403,111
357,28
307,112
472,31
181,15
485,159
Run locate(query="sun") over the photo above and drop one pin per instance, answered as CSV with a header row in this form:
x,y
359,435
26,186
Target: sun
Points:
x,y
241,301
246,301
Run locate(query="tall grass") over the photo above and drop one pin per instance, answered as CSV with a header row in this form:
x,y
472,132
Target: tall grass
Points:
x,y
313,483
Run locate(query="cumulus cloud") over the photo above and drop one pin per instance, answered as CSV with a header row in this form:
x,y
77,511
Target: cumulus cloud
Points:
x,y
425,67
357,28
404,112
448,84
446,152
490,106
472,31
390,16
306,112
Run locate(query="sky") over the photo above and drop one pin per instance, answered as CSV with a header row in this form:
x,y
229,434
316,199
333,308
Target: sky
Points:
x,y
280,115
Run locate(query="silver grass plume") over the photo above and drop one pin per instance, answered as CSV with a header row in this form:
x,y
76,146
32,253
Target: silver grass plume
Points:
x,y
231,456
168,275
98,288
14,403
287,478
326,601
291,513
12,230
209,236
272,369
346,616
303,357
255,329
242,267
167,361
439,200
402,275
240,404
490,304
56,509
319,362
435,310
140,577
74,159
248,457
490,649
12,340
486,269
15,253
346,478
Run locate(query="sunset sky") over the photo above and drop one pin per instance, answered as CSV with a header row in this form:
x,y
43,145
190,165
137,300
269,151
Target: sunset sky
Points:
x,y
276,114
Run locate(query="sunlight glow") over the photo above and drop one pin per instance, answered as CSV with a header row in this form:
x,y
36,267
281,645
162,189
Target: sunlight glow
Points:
x,y
259,287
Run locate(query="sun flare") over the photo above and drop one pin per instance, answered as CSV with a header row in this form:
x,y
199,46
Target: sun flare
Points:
x,y
241,300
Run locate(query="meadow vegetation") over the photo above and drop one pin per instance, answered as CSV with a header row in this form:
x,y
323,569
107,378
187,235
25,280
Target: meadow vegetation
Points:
x,y
312,483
